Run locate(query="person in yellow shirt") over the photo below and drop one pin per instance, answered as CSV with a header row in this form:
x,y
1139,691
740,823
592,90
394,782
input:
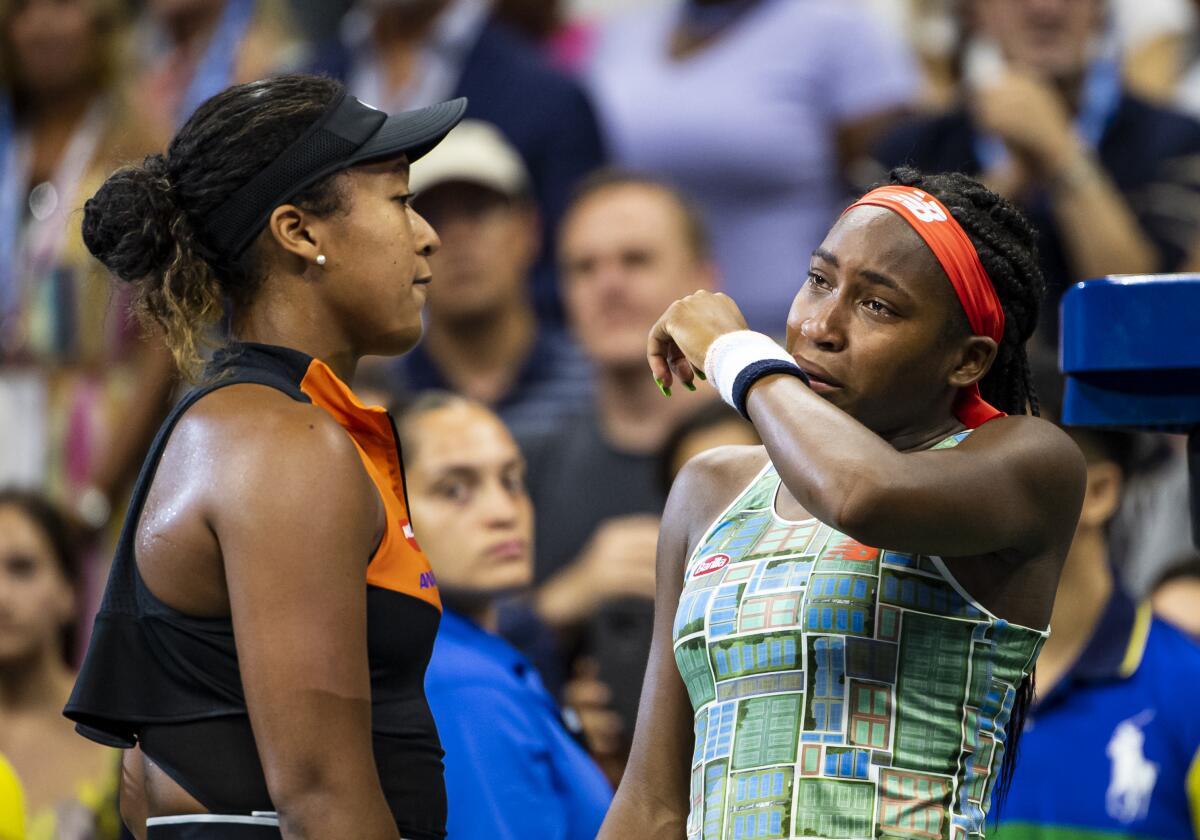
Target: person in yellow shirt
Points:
x,y
12,803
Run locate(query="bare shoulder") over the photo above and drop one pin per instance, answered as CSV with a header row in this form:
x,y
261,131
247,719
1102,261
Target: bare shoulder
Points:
x,y
1039,450
722,466
250,423
256,444
709,482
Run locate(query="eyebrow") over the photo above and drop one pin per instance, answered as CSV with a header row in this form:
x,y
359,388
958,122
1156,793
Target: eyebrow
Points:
x,y
866,273
471,470
825,255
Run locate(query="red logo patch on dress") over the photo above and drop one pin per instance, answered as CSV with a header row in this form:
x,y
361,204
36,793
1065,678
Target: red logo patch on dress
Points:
x,y
710,564
406,526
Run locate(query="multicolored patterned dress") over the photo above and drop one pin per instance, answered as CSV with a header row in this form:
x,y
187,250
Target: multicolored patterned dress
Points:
x,y
841,691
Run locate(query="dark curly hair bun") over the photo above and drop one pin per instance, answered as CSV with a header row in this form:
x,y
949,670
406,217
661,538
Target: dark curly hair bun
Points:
x,y
128,223
143,222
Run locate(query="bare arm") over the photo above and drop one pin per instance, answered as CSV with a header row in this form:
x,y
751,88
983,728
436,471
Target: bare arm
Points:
x,y
296,526
991,493
131,798
1100,232
652,800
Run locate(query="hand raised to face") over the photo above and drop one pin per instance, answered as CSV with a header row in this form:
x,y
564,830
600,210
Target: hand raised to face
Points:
x,y
679,340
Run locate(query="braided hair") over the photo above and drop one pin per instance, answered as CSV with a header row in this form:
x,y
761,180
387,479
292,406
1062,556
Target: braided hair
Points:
x,y
1007,247
145,223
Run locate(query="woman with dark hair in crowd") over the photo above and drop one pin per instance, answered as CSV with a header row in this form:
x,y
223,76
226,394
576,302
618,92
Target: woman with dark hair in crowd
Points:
x,y
70,785
265,630
839,689
513,769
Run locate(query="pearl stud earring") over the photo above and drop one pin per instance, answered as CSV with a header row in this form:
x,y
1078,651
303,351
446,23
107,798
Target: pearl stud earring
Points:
x,y
320,259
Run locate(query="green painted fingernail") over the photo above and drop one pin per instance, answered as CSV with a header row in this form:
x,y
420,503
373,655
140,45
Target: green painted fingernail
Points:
x,y
700,373
689,386
666,392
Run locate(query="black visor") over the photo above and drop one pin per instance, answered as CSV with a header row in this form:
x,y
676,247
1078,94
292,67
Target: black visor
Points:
x,y
349,133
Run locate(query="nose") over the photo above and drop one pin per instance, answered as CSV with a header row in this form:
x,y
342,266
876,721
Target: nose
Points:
x,y
500,504
425,238
818,323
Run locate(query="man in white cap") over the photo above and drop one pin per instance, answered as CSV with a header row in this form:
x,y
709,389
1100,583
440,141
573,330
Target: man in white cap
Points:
x,y
483,338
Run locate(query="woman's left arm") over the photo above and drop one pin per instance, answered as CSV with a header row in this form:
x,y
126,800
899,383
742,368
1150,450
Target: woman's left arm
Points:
x,y
991,493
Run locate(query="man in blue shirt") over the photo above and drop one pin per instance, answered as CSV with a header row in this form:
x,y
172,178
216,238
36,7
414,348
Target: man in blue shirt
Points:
x,y
513,770
1111,749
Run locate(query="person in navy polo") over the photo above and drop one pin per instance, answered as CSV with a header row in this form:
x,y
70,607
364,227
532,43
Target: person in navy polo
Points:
x,y
1112,746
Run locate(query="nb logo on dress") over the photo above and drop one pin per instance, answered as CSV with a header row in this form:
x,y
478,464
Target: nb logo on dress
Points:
x,y
925,211
1133,776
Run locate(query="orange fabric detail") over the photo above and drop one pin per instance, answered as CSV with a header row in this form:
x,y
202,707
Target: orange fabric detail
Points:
x,y
398,564
956,254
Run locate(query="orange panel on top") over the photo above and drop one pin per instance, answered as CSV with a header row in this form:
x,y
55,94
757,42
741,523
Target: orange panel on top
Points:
x,y
398,564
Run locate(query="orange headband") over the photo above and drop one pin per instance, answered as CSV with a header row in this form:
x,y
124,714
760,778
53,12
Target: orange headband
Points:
x,y
958,257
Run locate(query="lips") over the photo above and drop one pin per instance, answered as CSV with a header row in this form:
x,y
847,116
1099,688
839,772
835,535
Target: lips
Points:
x,y
508,550
423,281
816,374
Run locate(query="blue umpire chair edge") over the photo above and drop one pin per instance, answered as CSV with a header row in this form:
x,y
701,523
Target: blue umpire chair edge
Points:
x,y
1131,353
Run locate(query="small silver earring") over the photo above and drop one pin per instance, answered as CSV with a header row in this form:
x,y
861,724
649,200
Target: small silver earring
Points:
x,y
320,259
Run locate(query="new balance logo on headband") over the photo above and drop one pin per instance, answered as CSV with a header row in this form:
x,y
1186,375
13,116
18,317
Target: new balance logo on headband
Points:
x,y
925,209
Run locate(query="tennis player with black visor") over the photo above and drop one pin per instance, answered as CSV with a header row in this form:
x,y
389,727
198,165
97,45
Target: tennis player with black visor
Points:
x,y
256,691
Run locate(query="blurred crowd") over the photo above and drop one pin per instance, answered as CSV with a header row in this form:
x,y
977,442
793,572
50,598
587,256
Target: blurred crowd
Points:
x,y
616,156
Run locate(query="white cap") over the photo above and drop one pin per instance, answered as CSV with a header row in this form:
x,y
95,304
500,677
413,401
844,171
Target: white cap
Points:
x,y
477,153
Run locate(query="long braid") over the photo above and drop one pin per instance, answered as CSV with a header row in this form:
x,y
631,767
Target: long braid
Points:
x,y
1007,247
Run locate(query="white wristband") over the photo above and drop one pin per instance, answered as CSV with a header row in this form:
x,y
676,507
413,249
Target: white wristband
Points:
x,y
732,353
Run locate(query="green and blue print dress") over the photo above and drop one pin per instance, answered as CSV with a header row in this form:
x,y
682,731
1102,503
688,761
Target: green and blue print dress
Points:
x,y
841,691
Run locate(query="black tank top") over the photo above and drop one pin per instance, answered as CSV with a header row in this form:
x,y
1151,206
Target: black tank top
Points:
x,y
170,681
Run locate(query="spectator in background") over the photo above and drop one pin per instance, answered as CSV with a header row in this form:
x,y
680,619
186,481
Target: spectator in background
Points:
x,y
1176,596
482,336
1111,746
567,44
513,771
81,392
70,784
629,246
752,108
12,803
1045,121
1154,38
399,54
716,424
197,48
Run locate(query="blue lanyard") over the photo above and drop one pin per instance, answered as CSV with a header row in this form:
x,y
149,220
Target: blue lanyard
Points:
x,y
10,208
214,73
1098,103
